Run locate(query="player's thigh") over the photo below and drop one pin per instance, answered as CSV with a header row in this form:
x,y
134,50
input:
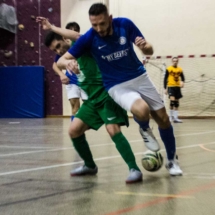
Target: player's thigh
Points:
x,y
75,102
124,96
88,114
172,98
112,113
148,92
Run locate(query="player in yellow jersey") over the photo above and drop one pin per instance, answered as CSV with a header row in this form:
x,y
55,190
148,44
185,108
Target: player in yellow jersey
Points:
x,y
173,82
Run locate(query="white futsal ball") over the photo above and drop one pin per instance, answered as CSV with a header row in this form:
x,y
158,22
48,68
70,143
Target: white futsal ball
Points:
x,y
152,161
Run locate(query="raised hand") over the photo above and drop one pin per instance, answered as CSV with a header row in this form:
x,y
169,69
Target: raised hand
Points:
x,y
46,25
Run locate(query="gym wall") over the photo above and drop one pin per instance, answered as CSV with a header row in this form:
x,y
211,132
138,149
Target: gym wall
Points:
x,y
27,46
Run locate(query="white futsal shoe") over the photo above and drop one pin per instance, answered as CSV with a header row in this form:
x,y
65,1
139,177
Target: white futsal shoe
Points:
x,y
177,120
173,167
149,139
84,170
134,176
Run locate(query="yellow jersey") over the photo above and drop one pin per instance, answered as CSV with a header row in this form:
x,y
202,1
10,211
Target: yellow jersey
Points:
x,y
174,75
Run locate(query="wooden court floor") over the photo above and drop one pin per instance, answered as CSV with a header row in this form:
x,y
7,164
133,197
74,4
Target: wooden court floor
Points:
x,y
36,156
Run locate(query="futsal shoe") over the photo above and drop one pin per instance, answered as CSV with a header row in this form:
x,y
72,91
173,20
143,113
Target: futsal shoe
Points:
x,y
173,167
84,170
134,176
149,139
177,120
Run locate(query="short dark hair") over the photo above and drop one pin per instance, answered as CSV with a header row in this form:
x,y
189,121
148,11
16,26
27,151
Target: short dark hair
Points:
x,y
50,36
175,57
97,9
73,25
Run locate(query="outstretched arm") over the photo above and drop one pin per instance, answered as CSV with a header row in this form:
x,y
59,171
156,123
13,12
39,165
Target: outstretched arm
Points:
x,y
69,34
67,61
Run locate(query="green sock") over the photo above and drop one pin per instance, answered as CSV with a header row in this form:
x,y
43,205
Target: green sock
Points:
x,y
82,147
125,150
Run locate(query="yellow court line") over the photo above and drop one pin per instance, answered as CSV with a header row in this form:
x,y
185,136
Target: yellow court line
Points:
x,y
154,195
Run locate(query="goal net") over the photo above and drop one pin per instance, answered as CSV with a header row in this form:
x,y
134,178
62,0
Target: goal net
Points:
x,y
199,89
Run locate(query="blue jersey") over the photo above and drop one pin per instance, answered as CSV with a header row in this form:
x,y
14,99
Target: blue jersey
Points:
x,y
72,78
114,53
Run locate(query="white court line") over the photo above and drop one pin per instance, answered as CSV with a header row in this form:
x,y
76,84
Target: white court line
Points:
x,y
96,145
73,163
14,122
32,152
29,147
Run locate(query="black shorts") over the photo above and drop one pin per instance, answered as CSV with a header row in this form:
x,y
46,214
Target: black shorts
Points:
x,y
175,92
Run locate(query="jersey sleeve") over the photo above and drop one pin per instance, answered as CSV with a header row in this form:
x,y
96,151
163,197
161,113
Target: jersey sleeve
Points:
x,y
182,76
82,45
165,79
57,57
133,31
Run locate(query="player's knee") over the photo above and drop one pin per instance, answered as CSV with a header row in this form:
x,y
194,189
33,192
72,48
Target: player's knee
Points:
x,y
164,121
74,132
112,129
141,111
172,104
176,104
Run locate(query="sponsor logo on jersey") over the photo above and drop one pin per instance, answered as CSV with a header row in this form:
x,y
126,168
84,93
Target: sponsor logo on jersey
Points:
x,y
122,40
116,55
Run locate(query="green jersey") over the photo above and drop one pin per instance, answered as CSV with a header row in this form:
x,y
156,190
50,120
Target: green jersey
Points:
x,y
90,79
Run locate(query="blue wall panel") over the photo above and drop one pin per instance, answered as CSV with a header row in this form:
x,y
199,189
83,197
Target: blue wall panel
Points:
x,y
22,92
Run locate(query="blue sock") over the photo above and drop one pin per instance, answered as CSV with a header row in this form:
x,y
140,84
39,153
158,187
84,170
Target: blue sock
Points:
x,y
143,124
72,117
169,141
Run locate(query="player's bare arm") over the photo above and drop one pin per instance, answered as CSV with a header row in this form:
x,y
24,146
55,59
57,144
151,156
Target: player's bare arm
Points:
x,y
67,61
144,46
64,79
68,34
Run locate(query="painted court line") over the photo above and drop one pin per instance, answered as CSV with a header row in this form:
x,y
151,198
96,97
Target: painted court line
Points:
x,y
32,152
54,166
27,147
52,149
162,199
154,195
206,149
73,163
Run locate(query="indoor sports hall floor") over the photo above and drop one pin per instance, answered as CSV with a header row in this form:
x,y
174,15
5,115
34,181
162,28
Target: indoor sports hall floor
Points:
x,y
36,157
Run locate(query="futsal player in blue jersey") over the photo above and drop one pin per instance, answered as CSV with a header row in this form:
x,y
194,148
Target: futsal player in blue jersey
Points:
x,y
111,43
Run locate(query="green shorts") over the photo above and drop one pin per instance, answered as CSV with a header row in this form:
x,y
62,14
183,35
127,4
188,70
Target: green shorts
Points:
x,y
105,112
